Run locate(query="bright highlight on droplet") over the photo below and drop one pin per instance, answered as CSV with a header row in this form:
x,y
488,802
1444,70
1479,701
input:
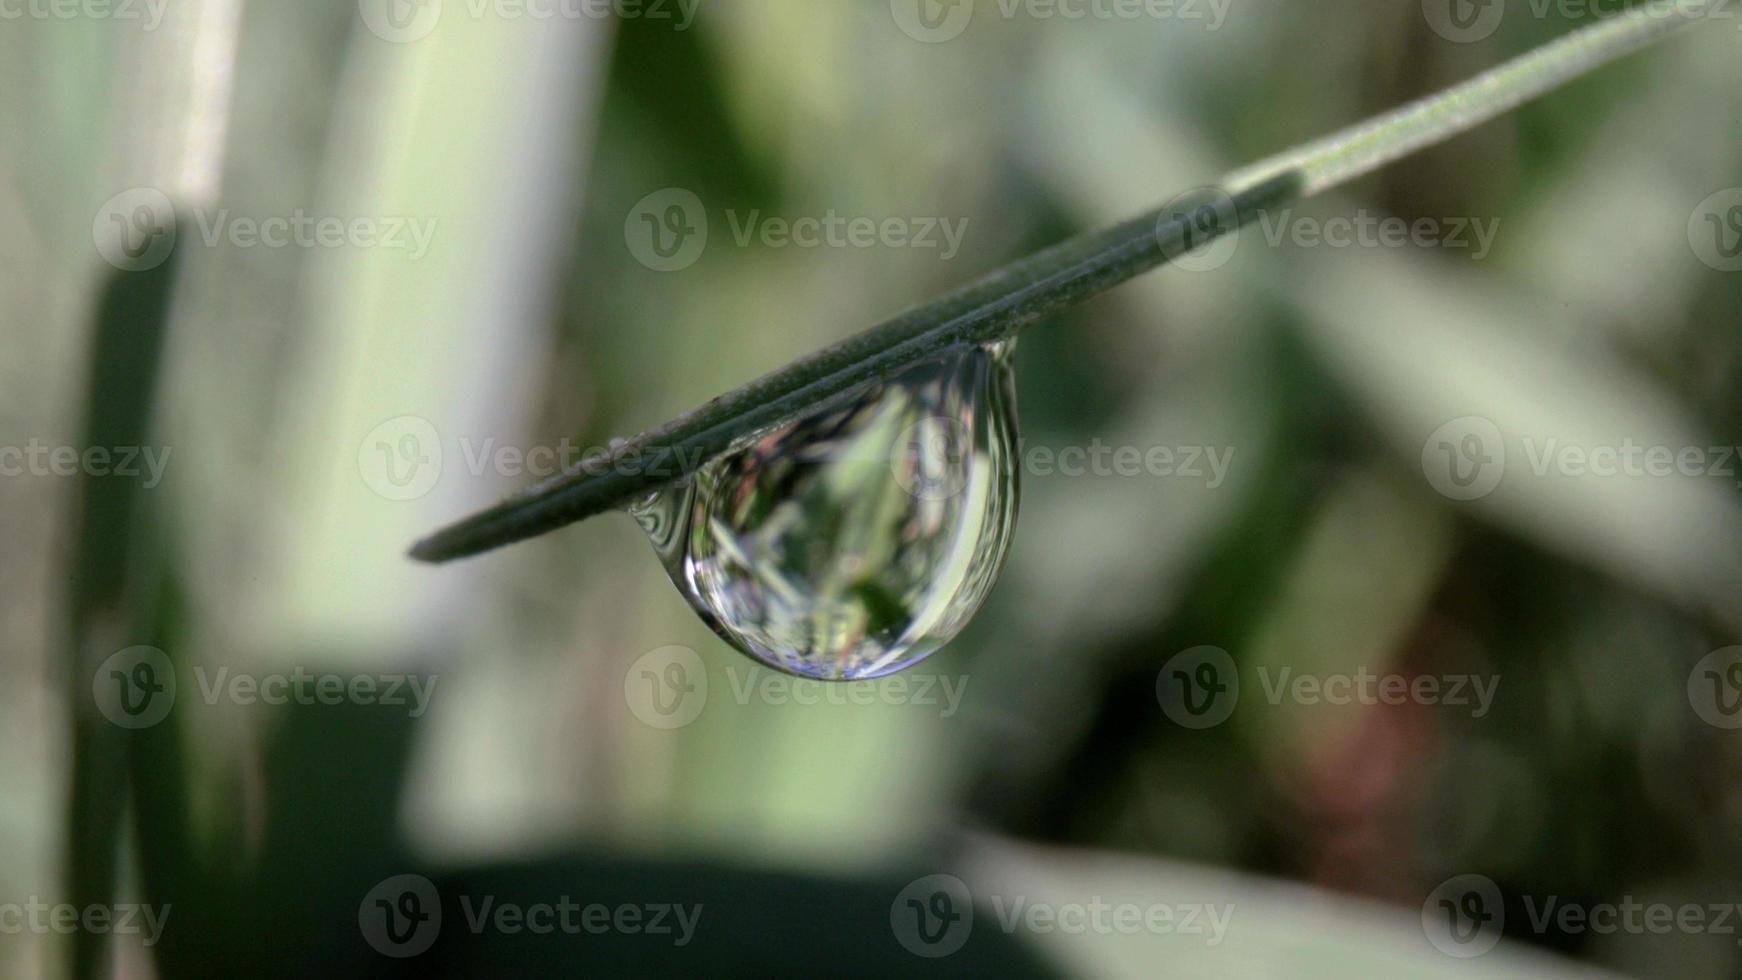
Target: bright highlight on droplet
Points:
x,y
855,542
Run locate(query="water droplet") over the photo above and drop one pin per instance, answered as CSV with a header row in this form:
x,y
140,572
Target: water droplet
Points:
x,y
856,541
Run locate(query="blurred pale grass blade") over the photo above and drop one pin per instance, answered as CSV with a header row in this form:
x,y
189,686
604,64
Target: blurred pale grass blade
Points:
x,y
1002,303
211,79
418,353
1269,928
1426,350
1360,582
174,106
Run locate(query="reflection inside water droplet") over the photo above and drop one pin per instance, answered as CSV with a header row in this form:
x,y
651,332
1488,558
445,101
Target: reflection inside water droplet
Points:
x,y
855,542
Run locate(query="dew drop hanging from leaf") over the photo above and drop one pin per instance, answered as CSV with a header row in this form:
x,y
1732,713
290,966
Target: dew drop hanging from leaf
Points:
x,y
855,541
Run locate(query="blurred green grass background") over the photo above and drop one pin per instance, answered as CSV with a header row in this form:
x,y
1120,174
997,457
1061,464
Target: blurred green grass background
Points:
x,y
527,144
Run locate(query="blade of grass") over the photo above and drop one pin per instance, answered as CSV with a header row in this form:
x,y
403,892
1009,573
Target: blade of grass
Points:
x,y
112,568
1000,304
